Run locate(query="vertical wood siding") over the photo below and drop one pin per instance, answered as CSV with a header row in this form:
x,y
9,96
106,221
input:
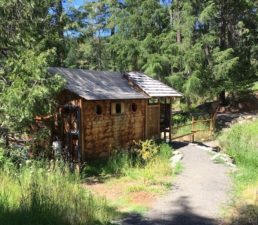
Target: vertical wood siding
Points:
x,y
107,132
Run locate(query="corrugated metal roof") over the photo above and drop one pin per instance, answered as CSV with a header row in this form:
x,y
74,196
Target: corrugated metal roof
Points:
x,y
98,85
153,88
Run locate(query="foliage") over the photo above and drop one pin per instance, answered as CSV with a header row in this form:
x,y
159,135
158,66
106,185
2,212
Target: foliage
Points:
x,y
28,86
42,193
145,150
31,40
176,41
202,48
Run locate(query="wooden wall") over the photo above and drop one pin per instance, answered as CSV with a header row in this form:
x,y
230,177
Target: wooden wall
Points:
x,y
153,121
106,132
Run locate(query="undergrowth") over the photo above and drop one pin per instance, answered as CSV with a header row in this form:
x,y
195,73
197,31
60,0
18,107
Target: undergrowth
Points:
x,y
142,159
144,170
240,142
47,193
43,193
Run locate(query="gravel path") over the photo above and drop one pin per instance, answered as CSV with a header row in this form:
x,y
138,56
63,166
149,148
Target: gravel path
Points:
x,y
197,194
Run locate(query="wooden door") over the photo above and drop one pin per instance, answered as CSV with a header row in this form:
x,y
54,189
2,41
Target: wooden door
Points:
x,y
71,148
153,121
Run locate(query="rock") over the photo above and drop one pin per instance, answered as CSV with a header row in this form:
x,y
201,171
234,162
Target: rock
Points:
x,y
249,117
216,156
175,159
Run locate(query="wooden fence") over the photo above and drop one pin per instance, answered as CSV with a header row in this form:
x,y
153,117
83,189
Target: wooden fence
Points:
x,y
194,130
12,138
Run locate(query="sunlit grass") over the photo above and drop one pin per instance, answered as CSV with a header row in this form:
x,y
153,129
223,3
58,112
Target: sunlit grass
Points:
x,y
133,179
240,142
41,193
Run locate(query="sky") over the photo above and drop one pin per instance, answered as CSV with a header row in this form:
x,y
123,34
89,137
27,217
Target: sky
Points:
x,y
78,3
74,3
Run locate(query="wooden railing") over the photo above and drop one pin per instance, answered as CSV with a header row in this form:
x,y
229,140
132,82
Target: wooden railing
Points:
x,y
12,137
193,130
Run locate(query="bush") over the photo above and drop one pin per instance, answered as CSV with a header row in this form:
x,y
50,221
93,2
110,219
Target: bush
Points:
x,y
145,150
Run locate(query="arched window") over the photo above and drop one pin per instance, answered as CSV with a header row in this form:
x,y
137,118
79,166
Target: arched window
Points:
x,y
118,108
134,107
98,110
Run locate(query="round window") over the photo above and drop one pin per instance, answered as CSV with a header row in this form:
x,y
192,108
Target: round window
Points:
x,y
134,107
98,110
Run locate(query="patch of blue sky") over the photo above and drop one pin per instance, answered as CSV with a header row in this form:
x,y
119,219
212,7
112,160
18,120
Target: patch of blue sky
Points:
x,y
78,3
101,33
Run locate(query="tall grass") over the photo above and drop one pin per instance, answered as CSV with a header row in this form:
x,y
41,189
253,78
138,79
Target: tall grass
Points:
x,y
44,194
127,164
241,143
47,193
134,177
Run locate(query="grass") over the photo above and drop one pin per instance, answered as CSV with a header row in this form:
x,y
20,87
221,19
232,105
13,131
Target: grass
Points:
x,y
47,193
43,194
134,184
240,142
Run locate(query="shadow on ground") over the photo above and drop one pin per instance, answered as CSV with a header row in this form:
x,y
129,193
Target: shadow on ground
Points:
x,y
178,144
185,216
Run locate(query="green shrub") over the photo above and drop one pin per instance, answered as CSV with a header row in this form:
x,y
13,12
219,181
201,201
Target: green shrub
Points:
x,y
145,150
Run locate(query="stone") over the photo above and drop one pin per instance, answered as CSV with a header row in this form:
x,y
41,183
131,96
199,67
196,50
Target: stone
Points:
x,y
175,159
216,156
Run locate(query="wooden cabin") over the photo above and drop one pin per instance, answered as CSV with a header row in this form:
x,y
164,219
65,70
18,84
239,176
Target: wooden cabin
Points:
x,y
105,111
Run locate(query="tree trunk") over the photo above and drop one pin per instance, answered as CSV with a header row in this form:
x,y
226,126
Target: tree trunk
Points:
x,y
222,98
60,30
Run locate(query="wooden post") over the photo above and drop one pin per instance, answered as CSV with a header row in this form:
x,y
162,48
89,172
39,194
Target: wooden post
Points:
x,y
193,129
82,138
146,120
165,117
211,126
170,125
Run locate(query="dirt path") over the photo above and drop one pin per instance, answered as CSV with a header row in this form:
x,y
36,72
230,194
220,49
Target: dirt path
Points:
x,y
197,195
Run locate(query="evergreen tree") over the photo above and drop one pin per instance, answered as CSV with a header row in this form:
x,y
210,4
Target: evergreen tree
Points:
x,y
31,35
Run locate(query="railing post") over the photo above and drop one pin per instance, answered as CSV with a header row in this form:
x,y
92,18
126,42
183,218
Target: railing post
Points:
x,y
192,129
7,138
211,126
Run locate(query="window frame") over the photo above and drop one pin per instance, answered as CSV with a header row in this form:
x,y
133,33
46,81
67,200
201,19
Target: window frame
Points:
x,y
113,108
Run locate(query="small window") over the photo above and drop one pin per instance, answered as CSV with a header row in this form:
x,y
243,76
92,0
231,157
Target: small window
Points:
x,y
134,107
117,108
98,110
